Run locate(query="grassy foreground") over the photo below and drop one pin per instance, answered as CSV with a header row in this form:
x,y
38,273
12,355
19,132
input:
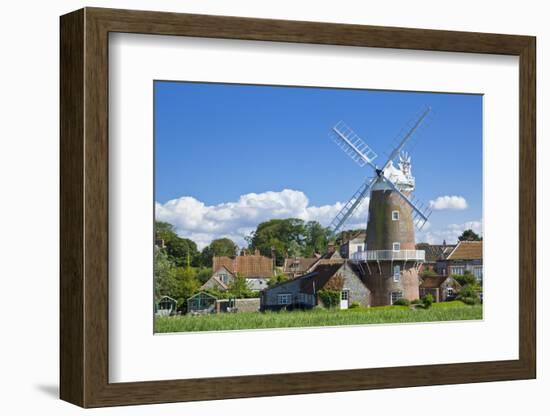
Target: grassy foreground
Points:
x,y
445,311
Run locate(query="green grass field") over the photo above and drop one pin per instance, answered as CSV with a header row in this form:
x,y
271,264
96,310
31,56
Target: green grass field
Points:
x,y
445,311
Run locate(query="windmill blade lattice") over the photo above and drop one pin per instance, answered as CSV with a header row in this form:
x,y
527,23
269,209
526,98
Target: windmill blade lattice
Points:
x,y
353,145
407,133
350,206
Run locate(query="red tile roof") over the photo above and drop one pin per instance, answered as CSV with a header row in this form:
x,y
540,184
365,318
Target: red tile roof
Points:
x,y
254,265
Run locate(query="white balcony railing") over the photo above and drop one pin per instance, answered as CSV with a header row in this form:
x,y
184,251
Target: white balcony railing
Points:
x,y
384,255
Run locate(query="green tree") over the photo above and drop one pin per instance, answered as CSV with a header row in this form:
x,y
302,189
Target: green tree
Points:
x,y
285,236
203,274
179,249
238,287
218,247
316,238
165,275
187,285
469,235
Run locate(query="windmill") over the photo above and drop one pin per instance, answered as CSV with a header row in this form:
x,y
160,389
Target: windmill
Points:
x,y
393,214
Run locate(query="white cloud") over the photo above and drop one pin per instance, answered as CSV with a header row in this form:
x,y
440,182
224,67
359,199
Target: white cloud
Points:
x,y
450,233
236,220
448,202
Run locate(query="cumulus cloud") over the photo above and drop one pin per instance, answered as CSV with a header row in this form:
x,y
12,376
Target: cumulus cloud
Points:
x,y
448,202
449,233
202,223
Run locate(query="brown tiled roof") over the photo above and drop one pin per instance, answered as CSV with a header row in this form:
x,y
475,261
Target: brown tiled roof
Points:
x,y
435,252
467,250
299,265
254,265
317,279
358,234
432,282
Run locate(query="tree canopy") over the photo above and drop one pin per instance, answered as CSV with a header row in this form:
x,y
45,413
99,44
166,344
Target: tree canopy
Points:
x,y
180,250
469,235
218,247
289,237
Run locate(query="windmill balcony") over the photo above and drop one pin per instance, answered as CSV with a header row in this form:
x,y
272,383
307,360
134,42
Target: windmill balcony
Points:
x,y
389,255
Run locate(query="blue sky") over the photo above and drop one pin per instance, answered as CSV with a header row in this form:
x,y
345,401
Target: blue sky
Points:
x,y
215,143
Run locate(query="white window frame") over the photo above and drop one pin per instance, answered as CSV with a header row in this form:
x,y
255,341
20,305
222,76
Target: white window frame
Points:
x,y
397,293
477,271
395,215
450,291
346,292
460,269
396,244
397,273
287,296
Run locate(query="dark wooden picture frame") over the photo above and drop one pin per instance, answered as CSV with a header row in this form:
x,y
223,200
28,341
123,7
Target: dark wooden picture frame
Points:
x,y
84,207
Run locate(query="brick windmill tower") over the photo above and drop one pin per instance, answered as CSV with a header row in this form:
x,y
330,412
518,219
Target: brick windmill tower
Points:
x,y
390,259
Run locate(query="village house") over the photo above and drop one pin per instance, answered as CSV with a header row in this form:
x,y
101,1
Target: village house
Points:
x,y
435,256
441,288
298,266
220,280
353,244
466,256
255,268
302,292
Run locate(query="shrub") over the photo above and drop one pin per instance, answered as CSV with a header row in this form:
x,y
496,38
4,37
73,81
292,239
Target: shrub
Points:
x,y
470,301
416,302
466,279
402,302
427,301
329,298
428,273
468,295
354,305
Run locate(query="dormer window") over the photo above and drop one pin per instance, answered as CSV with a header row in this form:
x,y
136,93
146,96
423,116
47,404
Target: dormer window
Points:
x,y
395,215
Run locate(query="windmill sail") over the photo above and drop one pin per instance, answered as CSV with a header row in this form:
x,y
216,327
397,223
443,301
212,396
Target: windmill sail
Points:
x,y
350,206
352,145
409,133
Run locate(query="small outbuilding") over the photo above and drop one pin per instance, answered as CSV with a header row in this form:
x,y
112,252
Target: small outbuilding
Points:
x,y
166,306
201,303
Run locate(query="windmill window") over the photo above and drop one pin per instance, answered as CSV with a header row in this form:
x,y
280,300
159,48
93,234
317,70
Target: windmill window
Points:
x,y
396,273
396,246
395,296
395,215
